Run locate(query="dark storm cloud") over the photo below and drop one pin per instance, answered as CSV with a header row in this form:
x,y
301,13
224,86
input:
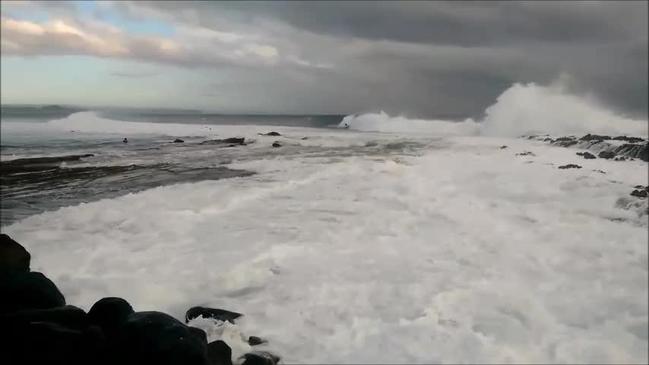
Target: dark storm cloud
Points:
x,y
421,58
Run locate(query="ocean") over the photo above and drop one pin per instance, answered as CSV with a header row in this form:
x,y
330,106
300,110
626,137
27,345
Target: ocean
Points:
x,y
359,239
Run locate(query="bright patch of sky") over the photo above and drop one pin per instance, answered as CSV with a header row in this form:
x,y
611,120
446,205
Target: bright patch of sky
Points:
x,y
133,26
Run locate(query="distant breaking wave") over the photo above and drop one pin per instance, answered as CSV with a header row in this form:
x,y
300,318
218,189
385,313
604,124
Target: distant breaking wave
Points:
x,y
521,109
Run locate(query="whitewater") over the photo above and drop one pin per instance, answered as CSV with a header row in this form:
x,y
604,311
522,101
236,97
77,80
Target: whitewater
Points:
x,y
387,240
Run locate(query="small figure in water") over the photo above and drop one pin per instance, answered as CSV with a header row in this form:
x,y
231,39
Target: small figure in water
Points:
x,y
125,140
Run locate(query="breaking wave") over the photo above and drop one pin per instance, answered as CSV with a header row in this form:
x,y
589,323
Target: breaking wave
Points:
x,y
519,110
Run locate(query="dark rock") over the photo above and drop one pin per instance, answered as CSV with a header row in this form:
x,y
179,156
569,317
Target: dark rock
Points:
x,y
270,134
28,290
13,256
178,140
503,147
219,314
109,314
260,358
67,316
37,163
640,193
570,166
52,343
254,340
620,158
219,353
526,153
229,141
276,144
586,155
640,151
642,187
606,154
565,141
594,137
304,138
548,139
629,139
198,333
157,338
125,140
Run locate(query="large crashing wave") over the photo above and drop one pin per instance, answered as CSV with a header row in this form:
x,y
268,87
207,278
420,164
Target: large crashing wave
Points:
x,y
521,109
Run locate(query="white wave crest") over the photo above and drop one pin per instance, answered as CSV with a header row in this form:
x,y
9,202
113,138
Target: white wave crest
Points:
x,y
519,110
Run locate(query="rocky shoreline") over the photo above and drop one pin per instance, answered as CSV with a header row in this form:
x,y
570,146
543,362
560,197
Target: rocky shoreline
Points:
x,y
41,328
618,148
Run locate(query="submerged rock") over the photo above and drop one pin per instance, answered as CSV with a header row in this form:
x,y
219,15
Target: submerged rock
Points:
x,y
276,144
214,313
13,256
270,134
570,166
178,140
228,141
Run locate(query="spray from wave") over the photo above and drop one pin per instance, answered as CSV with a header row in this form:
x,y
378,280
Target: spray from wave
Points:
x,y
521,109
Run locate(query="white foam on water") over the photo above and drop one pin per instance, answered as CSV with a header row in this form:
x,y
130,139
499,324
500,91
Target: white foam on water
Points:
x,y
467,254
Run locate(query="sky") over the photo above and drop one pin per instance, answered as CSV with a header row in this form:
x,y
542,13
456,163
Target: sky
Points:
x,y
420,59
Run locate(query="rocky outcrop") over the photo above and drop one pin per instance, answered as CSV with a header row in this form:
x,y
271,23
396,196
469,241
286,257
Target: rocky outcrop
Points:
x,y
635,148
39,328
30,164
606,155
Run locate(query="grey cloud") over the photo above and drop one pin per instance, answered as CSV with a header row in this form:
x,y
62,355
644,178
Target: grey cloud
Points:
x,y
424,59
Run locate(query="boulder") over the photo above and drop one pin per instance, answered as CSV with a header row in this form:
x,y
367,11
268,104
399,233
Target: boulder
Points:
x,y
276,144
570,166
214,313
157,338
67,316
586,155
219,353
606,154
260,358
640,193
109,314
13,256
28,290
178,140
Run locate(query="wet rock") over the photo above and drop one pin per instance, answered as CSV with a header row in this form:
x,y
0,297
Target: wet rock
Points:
x,y
260,358
640,193
594,137
219,353
109,314
640,151
586,155
606,154
503,147
67,316
276,144
570,166
125,140
227,141
199,333
13,256
628,139
37,163
178,140
254,340
28,290
304,138
214,313
565,141
270,134
157,338
526,153
600,171
620,158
